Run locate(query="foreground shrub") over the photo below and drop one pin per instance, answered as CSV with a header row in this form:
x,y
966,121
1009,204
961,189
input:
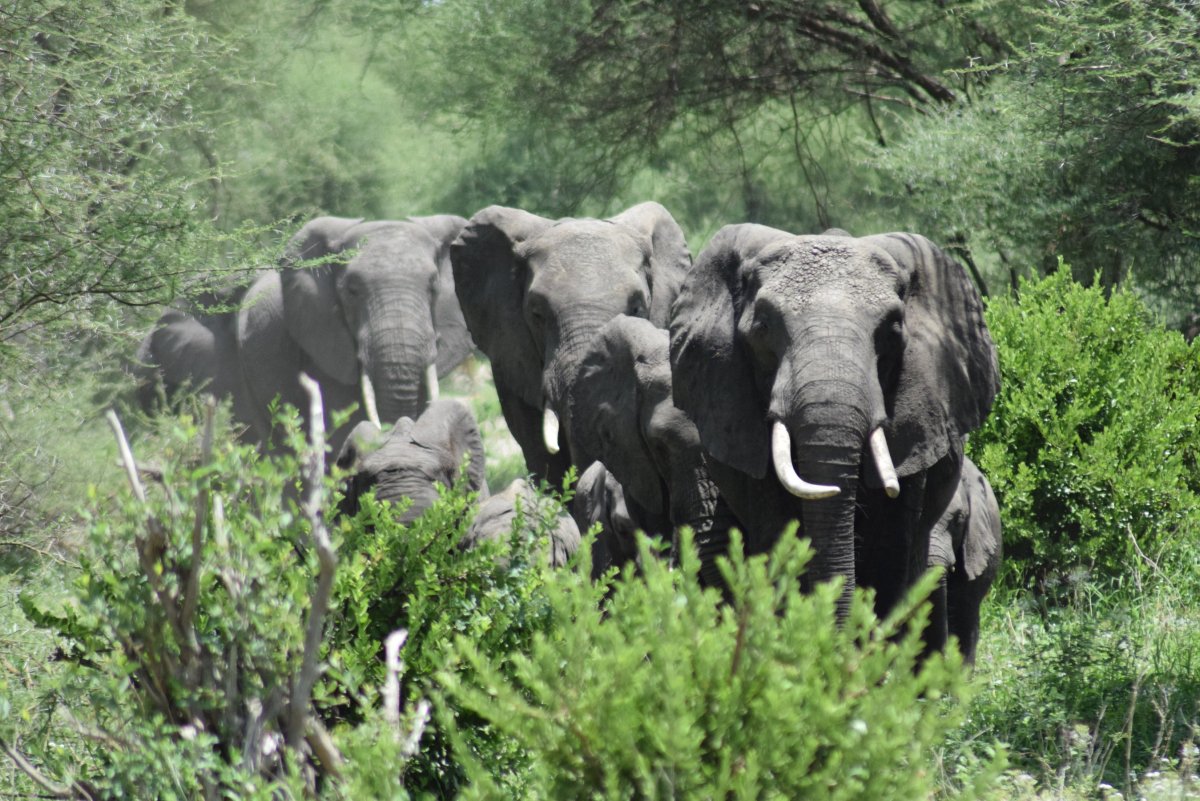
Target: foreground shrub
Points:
x,y
193,636
662,691
419,578
1092,446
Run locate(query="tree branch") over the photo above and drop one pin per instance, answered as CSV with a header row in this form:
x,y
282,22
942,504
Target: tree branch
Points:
x,y
313,505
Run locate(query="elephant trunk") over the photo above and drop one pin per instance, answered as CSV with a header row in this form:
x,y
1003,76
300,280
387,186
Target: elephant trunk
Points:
x,y
828,406
563,358
697,503
396,352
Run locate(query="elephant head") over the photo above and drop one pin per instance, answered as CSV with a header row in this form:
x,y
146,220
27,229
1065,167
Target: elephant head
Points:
x,y
623,391
368,308
600,500
192,347
535,291
966,542
498,514
820,370
412,459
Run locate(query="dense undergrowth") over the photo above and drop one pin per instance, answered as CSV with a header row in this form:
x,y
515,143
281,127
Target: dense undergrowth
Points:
x,y
538,687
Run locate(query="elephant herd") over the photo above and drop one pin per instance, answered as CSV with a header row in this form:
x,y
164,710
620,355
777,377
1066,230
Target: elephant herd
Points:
x,y
825,379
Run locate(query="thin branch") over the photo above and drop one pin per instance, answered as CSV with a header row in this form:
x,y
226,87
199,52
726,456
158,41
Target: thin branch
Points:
x,y
192,585
131,470
314,492
38,778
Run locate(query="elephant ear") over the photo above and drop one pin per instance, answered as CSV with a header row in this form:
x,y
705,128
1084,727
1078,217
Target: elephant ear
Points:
x,y
670,259
950,375
453,339
713,380
608,393
490,281
448,427
982,544
364,438
312,312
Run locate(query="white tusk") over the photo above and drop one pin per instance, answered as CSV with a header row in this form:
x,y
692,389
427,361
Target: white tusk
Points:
x,y
883,463
369,407
781,451
431,382
550,430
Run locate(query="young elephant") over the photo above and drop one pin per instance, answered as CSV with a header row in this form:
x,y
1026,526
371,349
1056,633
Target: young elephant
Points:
x,y
534,292
496,516
628,420
600,499
413,458
967,542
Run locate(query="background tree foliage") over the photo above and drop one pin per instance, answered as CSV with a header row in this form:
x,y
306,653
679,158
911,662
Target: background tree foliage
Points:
x,y
94,105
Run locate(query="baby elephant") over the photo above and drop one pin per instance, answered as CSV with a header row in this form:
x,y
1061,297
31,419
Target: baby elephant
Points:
x,y
966,541
496,516
412,459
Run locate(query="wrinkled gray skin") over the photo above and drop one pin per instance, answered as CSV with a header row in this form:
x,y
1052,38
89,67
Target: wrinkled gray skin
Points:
x,y
623,391
600,499
382,305
192,348
834,336
535,291
496,516
412,459
967,542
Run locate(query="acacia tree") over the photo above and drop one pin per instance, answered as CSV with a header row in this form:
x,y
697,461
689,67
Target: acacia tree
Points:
x,y
96,99
1086,145
620,84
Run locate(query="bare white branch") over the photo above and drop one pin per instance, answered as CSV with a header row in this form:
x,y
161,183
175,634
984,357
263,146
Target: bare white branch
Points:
x,y
131,469
314,492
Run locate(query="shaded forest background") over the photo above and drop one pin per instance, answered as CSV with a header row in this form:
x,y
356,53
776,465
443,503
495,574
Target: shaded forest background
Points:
x,y
143,140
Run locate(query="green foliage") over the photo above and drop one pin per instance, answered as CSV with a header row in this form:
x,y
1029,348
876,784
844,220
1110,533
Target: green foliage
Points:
x,y
1085,145
1092,446
662,691
200,674
419,578
94,97
1101,690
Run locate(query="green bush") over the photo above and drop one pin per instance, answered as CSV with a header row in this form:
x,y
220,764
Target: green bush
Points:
x,y
662,691
418,578
183,686
1092,446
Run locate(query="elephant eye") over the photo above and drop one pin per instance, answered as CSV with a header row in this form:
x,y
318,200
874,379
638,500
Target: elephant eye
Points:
x,y
637,306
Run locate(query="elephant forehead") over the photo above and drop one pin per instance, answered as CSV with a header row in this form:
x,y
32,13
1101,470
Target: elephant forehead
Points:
x,y
578,245
804,267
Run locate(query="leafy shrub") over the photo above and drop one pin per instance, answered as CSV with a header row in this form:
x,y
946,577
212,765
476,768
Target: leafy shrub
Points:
x,y
418,578
1103,689
186,666
1092,446
665,692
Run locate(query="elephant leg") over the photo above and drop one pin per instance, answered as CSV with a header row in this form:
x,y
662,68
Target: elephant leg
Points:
x,y
936,632
964,599
525,424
